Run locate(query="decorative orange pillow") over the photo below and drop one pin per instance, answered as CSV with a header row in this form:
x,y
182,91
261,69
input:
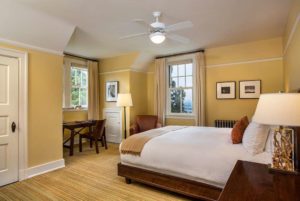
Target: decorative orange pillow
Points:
x,y
238,130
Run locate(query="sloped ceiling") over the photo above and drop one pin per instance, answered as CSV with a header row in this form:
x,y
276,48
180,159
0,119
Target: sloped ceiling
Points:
x,y
99,24
33,27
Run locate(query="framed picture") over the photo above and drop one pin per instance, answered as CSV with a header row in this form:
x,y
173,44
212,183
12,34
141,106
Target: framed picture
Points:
x,y
112,89
250,89
226,90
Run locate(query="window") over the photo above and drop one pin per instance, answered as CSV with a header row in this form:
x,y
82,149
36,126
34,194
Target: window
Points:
x,y
75,81
180,89
79,87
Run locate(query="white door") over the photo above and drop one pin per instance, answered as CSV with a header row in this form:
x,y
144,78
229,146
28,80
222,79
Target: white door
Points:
x,y
9,76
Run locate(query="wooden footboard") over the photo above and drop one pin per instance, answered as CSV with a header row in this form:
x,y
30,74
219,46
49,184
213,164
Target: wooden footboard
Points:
x,y
179,185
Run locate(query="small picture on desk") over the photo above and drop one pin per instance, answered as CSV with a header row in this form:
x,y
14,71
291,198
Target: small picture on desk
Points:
x,y
112,88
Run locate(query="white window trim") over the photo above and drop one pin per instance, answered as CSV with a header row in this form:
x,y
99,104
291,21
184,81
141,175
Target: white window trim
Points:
x,y
171,61
68,63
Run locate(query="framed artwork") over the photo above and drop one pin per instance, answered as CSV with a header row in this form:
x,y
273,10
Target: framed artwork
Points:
x,y
250,89
112,89
226,90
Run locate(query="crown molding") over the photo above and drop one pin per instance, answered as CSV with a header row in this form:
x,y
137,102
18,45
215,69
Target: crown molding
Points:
x,y
25,45
244,62
292,33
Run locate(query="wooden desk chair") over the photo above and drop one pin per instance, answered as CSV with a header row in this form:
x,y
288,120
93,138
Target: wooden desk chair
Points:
x,y
97,134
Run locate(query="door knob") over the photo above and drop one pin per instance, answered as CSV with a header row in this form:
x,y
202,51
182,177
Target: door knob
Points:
x,y
13,127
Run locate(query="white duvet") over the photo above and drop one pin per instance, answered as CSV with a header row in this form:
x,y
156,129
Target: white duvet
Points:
x,y
203,154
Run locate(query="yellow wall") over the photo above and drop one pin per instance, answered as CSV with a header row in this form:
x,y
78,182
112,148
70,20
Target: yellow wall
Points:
x,y
110,71
269,72
234,63
138,90
73,116
122,78
120,69
118,63
150,93
291,56
45,106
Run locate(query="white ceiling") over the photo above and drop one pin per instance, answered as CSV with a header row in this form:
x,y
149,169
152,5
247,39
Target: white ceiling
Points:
x,y
99,23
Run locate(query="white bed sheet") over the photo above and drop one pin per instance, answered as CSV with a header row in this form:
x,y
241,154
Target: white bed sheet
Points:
x,y
203,154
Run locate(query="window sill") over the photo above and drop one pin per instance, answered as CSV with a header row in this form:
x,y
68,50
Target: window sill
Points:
x,y
75,110
180,116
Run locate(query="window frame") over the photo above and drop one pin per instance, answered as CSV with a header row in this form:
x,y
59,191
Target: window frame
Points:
x,y
180,60
87,87
67,82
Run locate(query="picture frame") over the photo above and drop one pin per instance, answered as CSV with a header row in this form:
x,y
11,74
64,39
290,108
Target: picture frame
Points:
x,y
249,89
226,90
111,91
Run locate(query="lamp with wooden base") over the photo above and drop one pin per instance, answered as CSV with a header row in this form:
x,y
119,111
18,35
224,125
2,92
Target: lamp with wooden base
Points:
x,y
282,110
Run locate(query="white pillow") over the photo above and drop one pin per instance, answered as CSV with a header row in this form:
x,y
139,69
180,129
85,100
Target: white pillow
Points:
x,y
255,137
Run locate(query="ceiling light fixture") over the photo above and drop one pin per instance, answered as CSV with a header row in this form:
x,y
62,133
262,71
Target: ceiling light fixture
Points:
x,y
157,37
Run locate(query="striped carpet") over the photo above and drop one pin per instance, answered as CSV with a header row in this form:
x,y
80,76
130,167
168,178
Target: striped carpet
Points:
x,y
87,176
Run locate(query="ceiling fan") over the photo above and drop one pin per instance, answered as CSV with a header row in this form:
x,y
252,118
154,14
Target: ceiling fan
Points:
x,y
158,31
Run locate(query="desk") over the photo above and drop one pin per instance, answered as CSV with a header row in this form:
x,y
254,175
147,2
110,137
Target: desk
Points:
x,y
253,182
72,126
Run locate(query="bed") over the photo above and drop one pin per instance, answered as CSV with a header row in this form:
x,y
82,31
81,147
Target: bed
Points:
x,y
195,161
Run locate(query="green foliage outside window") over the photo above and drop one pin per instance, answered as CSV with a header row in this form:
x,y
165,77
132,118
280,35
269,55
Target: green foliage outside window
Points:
x,y
79,88
181,88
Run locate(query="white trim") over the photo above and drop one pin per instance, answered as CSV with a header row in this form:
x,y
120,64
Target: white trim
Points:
x,y
180,116
171,61
23,106
292,33
244,62
138,70
44,168
24,45
124,70
116,71
75,110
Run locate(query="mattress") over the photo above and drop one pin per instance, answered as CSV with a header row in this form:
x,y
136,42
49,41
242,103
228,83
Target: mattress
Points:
x,y
203,154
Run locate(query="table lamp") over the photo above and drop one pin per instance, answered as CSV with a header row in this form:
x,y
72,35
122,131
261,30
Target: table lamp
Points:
x,y
124,100
282,110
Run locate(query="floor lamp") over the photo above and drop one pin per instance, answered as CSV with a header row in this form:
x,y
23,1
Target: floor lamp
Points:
x,y
124,100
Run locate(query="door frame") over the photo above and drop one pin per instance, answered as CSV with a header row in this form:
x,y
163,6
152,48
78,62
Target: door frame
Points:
x,y
23,106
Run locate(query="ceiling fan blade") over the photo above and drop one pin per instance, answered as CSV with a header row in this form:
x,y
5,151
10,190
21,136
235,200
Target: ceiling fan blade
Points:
x,y
133,36
142,22
180,25
178,38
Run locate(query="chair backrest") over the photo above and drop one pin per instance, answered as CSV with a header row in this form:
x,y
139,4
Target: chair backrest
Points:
x,y
99,128
146,122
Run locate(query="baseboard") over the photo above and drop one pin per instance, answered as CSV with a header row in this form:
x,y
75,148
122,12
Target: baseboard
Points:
x,y
44,168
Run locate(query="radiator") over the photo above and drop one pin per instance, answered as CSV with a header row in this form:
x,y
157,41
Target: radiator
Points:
x,y
224,123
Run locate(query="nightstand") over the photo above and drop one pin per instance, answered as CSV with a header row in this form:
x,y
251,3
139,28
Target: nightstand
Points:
x,y
253,182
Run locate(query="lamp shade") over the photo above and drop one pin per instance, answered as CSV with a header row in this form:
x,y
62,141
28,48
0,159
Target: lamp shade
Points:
x,y
124,100
157,37
282,109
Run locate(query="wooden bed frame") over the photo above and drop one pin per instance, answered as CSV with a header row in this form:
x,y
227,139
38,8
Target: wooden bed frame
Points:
x,y
176,184
184,186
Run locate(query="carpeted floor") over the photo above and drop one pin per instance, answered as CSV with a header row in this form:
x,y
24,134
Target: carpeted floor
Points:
x,y
87,176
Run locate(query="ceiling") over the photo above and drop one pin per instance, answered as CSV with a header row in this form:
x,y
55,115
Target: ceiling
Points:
x,y
92,28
